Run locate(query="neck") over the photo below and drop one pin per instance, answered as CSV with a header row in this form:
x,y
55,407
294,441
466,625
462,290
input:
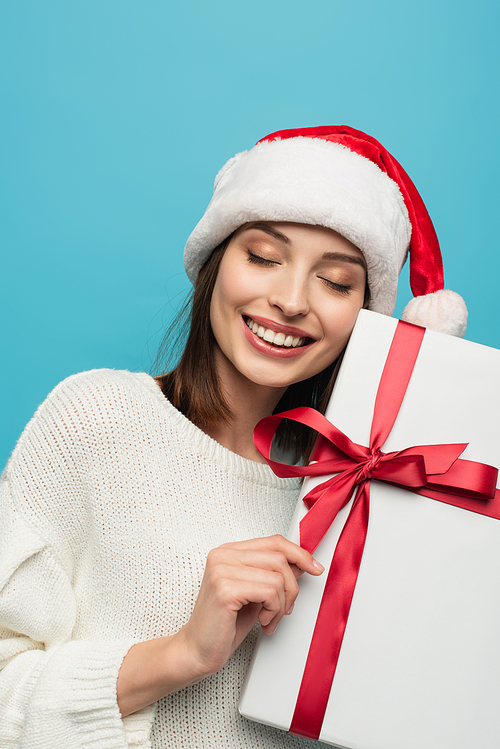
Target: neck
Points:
x,y
249,403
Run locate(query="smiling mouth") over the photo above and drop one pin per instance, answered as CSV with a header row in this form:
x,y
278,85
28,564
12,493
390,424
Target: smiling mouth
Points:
x,y
280,340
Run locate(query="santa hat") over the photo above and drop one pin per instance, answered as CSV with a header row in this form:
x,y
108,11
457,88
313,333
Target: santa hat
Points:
x,y
345,180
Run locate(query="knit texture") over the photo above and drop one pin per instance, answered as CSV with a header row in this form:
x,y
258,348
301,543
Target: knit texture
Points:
x,y
109,504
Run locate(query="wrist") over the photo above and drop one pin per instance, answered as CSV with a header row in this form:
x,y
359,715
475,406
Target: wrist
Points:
x,y
195,665
155,668
190,667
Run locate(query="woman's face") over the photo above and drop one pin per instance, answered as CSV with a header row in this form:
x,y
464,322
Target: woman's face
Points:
x,y
284,302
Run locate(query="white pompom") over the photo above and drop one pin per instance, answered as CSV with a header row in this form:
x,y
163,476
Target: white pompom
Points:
x,y
444,311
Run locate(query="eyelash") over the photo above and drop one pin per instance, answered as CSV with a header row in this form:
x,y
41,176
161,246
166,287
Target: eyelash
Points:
x,y
258,260
340,287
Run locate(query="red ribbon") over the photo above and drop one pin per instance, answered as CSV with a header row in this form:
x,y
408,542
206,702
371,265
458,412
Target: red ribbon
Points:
x,y
432,470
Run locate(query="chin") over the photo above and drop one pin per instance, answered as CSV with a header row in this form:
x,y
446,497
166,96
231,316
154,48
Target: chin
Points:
x,y
276,382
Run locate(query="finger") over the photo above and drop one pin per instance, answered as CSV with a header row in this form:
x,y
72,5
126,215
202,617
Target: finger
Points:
x,y
296,571
270,599
271,560
255,564
232,585
295,554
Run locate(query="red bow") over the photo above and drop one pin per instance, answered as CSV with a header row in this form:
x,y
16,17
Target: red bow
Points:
x,y
432,470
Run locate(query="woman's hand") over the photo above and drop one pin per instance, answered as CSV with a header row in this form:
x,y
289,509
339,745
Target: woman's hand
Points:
x,y
243,582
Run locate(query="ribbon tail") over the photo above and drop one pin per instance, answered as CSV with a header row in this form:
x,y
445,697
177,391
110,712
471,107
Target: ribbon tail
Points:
x,y
331,621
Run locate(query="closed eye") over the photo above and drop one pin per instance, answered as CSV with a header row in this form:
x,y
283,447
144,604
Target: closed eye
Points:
x,y
340,287
258,260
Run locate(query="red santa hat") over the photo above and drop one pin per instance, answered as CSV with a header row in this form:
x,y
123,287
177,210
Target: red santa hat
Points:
x,y
343,179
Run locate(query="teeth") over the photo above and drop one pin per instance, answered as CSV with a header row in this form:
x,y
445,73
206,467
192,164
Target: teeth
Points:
x,y
278,339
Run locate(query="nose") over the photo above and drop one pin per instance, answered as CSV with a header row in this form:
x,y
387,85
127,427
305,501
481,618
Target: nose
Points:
x,y
290,296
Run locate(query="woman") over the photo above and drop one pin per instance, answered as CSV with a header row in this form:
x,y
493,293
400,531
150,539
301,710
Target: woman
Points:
x,y
129,589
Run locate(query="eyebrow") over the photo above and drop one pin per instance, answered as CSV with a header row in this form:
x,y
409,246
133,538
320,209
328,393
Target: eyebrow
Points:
x,y
343,258
269,230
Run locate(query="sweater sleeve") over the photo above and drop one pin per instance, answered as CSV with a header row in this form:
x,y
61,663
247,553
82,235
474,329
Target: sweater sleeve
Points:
x,y
54,690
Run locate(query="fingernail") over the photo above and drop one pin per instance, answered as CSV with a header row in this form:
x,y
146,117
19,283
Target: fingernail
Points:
x,y
290,609
318,565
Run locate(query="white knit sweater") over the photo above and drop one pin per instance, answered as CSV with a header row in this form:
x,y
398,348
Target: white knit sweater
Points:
x,y
109,505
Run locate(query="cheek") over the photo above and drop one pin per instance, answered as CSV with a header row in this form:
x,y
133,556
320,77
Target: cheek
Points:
x,y
221,295
228,294
216,309
232,290
340,323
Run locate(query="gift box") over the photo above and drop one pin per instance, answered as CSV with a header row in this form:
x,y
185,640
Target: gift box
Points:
x,y
414,608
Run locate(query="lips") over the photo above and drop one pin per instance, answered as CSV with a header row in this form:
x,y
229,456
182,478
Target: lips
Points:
x,y
277,338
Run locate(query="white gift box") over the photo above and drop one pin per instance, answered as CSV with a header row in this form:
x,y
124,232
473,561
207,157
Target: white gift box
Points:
x,y
419,666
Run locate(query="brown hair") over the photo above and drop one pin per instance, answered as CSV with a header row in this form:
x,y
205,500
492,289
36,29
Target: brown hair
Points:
x,y
193,386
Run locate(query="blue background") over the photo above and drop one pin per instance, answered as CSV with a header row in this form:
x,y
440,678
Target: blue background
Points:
x,y
116,116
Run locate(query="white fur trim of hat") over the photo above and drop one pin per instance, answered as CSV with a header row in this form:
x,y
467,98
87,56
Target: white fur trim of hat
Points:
x,y
342,179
